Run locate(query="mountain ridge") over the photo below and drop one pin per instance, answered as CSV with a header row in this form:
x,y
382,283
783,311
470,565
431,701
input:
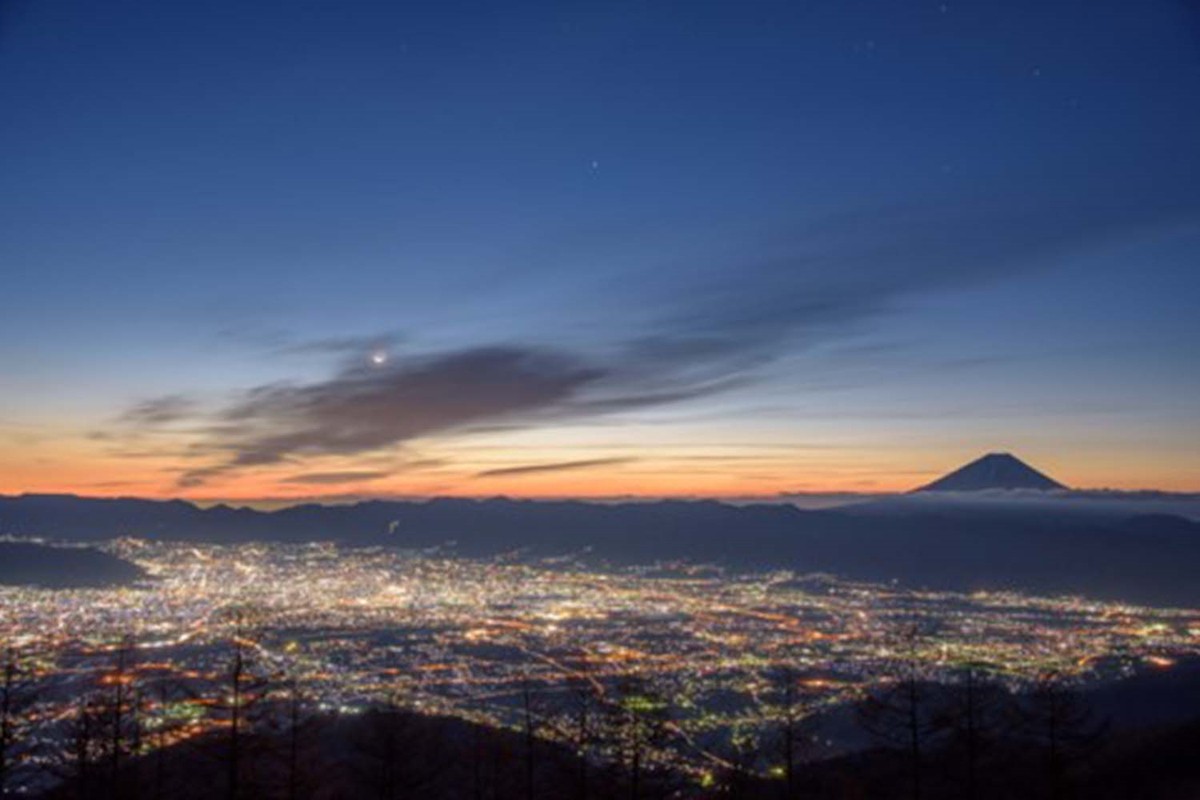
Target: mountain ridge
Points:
x,y
932,540
993,471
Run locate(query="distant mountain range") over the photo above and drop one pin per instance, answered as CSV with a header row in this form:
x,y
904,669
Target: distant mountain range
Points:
x,y
980,538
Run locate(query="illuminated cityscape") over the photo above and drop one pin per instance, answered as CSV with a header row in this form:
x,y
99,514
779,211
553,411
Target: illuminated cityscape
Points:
x,y
356,627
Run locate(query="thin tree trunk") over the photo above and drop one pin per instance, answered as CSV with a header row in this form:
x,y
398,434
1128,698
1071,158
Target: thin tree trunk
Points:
x,y
635,773
914,736
583,743
235,725
1054,757
478,765
6,712
294,747
529,743
789,734
117,721
160,758
972,733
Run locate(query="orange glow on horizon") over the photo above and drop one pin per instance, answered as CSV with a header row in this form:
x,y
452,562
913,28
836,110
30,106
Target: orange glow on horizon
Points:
x,y
687,463
642,479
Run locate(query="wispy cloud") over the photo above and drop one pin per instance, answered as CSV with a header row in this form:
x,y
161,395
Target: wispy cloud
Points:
x,y
351,348
330,478
160,410
820,280
560,466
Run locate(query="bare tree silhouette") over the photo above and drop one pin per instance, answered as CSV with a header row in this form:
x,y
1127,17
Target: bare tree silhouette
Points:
x,y
1055,719
18,692
8,712
246,682
740,752
974,714
901,714
296,710
791,718
86,745
396,760
529,726
637,723
584,701
163,727
119,713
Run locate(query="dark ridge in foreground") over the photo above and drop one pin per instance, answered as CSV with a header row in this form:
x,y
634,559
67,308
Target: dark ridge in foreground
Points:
x,y
1050,742
28,564
382,753
1155,764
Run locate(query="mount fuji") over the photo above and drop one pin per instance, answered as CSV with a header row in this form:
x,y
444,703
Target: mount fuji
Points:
x,y
993,471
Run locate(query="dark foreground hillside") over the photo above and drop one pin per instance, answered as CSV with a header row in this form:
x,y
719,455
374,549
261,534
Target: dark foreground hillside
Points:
x,y
408,756
964,741
385,754
27,564
1155,764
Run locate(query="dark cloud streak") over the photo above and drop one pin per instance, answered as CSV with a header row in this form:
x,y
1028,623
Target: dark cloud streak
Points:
x,y
365,408
561,466
160,411
330,478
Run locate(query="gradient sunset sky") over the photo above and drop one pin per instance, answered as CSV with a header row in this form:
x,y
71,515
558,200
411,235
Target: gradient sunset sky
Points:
x,y
297,249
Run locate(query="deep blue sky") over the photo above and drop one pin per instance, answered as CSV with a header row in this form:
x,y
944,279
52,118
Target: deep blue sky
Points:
x,y
665,246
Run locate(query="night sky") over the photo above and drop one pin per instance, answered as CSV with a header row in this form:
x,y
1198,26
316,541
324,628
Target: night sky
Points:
x,y
256,250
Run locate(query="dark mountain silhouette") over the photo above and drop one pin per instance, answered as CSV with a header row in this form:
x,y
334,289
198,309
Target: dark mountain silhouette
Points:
x,y
918,540
1130,750
28,564
1118,751
993,471
381,753
1156,763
